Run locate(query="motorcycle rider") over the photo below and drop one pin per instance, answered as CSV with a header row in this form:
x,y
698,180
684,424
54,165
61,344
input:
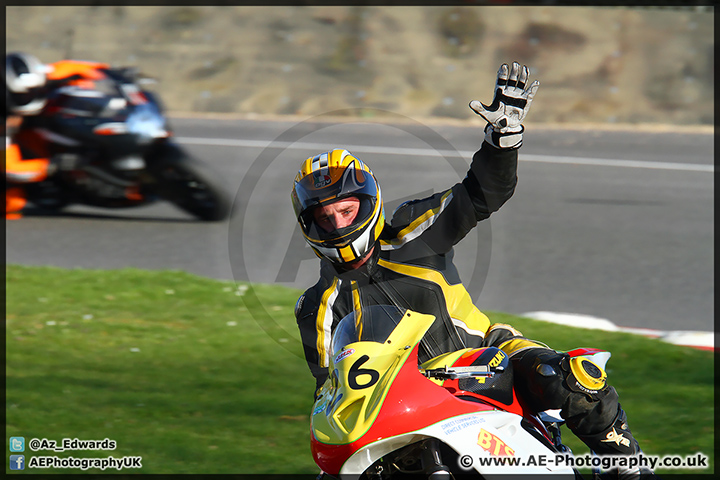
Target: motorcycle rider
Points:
x,y
25,95
28,85
408,262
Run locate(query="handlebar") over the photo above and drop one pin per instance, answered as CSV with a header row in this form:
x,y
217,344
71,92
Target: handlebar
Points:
x,y
463,372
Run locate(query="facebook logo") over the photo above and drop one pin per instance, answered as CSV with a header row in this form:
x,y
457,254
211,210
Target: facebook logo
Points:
x,y
17,444
17,462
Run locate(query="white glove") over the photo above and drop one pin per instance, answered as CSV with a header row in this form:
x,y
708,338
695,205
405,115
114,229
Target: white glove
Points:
x,y
509,107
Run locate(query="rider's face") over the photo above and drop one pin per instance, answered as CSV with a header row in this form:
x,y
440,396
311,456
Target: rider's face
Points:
x,y
338,214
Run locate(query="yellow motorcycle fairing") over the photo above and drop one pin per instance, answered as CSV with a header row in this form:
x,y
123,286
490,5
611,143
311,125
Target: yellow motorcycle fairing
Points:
x,y
353,394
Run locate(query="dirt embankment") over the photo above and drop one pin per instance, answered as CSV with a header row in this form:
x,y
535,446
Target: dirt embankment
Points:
x,y
597,65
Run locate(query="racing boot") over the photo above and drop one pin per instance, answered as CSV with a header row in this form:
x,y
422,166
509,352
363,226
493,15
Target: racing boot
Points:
x,y
14,203
617,440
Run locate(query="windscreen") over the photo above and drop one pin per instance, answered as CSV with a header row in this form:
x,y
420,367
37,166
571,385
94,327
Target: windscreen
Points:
x,y
373,324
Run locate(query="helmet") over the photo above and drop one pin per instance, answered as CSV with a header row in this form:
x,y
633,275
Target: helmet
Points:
x,y
25,76
331,176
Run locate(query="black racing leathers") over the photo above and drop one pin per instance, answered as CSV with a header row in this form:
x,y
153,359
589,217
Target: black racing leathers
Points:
x,y
412,266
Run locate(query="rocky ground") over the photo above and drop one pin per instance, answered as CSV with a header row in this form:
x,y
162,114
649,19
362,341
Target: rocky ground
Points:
x,y
595,64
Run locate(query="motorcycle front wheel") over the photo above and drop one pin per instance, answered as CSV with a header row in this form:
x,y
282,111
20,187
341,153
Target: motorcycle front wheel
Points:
x,y
188,183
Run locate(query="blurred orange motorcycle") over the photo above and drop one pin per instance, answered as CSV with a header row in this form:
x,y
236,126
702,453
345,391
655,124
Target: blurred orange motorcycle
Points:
x,y
99,139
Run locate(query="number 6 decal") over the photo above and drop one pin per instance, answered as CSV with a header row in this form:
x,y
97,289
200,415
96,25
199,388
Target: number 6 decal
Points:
x,y
356,371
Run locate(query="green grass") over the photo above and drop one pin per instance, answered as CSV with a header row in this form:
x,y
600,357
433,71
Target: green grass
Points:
x,y
667,390
176,369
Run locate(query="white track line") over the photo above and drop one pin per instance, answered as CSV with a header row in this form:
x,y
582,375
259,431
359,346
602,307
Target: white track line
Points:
x,y
701,340
605,162
608,162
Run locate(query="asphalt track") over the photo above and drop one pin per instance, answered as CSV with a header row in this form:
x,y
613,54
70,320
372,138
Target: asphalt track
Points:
x,y
615,224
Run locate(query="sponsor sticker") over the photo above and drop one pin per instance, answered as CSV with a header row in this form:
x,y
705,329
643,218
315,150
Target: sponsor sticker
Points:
x,y
321,180
457,424
493,445
497,359
343,354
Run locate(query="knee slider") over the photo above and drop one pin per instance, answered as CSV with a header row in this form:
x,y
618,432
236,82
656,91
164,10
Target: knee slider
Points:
x,y
584,376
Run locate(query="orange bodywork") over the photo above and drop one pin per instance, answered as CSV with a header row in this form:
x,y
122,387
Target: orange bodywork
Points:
x,y
85,72
14,203
24,171
21,171
68,68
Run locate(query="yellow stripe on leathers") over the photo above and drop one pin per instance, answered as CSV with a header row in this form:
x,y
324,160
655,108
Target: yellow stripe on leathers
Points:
x,y
457,299
419,221
516,345
320,323
357,308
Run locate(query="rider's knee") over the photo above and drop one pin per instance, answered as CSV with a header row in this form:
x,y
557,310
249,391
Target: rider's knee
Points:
x,y
577,386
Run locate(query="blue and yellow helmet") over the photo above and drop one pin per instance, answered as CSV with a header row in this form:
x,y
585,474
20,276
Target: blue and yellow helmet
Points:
x,y
328,177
